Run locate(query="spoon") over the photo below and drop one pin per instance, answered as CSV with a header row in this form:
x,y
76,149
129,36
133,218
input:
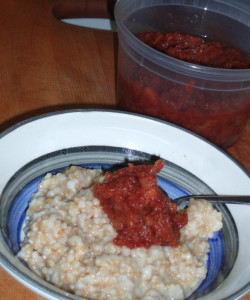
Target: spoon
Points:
x,y
223,199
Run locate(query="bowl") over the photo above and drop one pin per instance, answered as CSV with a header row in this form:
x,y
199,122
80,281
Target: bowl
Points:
x,y
213,102
103,139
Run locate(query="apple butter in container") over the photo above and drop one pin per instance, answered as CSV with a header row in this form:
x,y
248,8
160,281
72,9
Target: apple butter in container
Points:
x,y
186,62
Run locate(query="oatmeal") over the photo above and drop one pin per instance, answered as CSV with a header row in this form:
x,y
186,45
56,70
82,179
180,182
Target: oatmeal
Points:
x,y
69,242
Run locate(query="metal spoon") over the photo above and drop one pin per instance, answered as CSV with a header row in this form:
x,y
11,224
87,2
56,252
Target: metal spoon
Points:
x,y
223,199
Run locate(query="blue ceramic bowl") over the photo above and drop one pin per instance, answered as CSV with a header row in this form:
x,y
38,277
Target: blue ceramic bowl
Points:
x,y
175,181
95,138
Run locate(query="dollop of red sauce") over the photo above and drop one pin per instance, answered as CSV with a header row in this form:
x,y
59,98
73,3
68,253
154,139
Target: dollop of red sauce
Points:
x,y
140,212
196,50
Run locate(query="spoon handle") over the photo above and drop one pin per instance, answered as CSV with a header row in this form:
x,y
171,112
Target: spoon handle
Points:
x,y
226,199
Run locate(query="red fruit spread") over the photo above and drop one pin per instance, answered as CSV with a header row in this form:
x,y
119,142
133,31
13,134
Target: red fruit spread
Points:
x,y
196,50
139,211
217,115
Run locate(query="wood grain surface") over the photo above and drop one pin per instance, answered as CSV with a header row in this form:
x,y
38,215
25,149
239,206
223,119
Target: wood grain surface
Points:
x,y
47,65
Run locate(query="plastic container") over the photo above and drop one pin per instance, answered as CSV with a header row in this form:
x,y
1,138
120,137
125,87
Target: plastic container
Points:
x,y
212,102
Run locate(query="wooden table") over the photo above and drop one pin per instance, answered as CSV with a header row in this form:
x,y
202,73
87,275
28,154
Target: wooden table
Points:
x,y
47,65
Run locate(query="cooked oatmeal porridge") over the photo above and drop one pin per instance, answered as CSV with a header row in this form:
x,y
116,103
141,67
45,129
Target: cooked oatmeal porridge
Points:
x,y
69,242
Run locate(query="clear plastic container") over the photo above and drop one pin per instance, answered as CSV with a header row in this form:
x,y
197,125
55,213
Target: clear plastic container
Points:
x,y
212,102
